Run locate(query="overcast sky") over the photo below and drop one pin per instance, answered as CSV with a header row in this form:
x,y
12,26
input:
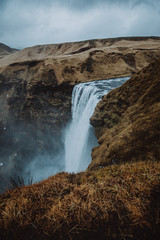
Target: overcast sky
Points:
x,y
26,23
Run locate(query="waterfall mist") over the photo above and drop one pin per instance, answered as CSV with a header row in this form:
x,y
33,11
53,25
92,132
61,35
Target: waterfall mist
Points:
x,y
29,152
79,136
38,150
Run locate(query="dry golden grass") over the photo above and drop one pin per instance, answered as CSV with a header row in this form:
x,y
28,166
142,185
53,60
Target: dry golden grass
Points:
x,y
127,119
116,202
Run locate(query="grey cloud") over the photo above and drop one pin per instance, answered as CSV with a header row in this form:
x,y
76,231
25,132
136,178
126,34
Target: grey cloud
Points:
x,y
2,4
27,23
82,4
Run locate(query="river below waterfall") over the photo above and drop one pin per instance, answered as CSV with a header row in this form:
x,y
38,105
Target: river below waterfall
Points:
x,y
79,134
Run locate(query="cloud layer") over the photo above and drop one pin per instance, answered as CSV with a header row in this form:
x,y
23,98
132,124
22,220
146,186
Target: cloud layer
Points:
x,y
27,23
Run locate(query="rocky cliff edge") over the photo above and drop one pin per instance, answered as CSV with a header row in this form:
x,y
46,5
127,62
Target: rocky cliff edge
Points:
x,y
81,61
126,120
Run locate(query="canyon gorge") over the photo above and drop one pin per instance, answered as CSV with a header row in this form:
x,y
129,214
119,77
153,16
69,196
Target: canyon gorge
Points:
x,y
118,193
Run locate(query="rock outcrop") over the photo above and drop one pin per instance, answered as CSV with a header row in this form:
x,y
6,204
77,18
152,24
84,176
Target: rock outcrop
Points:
x,y
127,120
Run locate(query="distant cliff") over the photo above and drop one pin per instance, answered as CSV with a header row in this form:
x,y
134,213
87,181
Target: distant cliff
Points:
x,y
82,61
5,50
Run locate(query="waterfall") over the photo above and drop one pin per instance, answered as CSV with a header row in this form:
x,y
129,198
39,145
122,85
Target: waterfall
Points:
x,y
79,136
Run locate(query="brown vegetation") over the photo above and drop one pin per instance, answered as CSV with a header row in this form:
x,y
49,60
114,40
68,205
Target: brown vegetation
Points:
x,y
116,202
80,61
127,120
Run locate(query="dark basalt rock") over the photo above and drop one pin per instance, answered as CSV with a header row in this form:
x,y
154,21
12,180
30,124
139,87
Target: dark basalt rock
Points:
x,y
34,112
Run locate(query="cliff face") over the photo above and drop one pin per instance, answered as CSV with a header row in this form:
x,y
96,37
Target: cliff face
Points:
x,y
127,120
87,60
36,85
33,115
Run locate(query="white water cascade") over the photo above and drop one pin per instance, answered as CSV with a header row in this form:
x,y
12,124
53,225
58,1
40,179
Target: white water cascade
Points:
x,y
79,136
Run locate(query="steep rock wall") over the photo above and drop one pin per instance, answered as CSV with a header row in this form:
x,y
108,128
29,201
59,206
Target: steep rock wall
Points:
x,y
127,120
34,112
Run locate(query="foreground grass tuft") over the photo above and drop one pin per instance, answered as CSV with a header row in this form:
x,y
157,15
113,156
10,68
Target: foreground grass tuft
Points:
x,y
116,202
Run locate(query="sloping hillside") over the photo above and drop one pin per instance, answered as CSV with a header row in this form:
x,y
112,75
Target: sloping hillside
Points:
x,y
82,61
5,50
127,120
116,202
